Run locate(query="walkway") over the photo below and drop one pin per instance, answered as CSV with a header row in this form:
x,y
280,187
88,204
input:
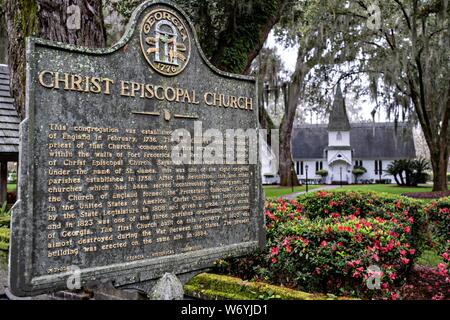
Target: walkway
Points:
x,y
292,196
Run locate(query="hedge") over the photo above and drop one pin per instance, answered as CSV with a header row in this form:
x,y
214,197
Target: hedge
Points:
x,y
338,243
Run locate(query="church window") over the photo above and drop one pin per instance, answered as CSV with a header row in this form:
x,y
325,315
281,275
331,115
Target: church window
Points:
x,y
339,136
378,166
301,168
319,165
297,167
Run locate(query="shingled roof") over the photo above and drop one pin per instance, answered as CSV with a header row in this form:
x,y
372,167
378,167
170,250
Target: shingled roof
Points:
x,y
368,141
338,120
9,120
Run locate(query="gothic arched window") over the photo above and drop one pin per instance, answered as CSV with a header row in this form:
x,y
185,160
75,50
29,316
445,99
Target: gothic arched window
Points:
x,y
339,136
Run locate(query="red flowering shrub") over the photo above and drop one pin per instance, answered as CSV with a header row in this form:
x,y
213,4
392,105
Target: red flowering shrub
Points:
x,y
330,241
438,214
407,213
340,243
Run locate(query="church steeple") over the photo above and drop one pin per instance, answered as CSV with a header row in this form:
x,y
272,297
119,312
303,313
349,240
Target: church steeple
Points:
x,y
338,120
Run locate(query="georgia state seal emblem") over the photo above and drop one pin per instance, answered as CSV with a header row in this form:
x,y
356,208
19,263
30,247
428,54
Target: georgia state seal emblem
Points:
x,y
165,42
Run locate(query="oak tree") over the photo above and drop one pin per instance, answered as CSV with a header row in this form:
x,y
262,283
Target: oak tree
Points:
x,y
77,22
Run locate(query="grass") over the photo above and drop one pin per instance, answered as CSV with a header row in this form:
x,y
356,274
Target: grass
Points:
x,y
11,187
429,258
277,191
387,188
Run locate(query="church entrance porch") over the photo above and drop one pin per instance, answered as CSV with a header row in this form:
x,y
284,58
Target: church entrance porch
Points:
x,y
340,173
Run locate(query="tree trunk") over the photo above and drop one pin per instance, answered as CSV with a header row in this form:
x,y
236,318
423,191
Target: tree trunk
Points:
x,y
439,162
408,179
291,97
288,177
402,181
286,168
78,22
396,179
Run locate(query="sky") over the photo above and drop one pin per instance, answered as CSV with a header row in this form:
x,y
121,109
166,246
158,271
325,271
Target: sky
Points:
x,y
289,56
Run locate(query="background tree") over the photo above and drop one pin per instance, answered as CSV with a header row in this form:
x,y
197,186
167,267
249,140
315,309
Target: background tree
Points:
x,y
404,50
409,172
420,143
78,22
395,169
420,167
268,67
3,34
230,32
313,28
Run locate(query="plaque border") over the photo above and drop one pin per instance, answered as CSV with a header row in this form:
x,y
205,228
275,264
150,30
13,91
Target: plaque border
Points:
x,y
21,280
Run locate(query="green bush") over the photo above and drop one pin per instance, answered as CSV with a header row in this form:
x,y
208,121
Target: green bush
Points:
x,y
322,173
358,171
4,210
4,239
5,221
5,215
5,218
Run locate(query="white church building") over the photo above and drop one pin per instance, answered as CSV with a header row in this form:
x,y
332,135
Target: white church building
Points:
x,y
340,146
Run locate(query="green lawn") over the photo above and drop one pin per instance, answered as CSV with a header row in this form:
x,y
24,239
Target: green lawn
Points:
x,y
277,191
388,188
11,187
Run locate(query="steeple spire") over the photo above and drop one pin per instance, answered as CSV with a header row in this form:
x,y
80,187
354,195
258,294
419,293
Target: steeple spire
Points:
x,y
338,120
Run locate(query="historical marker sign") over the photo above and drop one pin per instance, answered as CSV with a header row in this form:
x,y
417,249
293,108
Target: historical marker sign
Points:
x,y
121,175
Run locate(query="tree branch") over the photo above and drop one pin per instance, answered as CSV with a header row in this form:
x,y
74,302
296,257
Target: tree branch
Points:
x,y
408,22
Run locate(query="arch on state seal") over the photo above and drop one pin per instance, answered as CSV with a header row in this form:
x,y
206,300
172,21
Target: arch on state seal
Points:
x,y
169,40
